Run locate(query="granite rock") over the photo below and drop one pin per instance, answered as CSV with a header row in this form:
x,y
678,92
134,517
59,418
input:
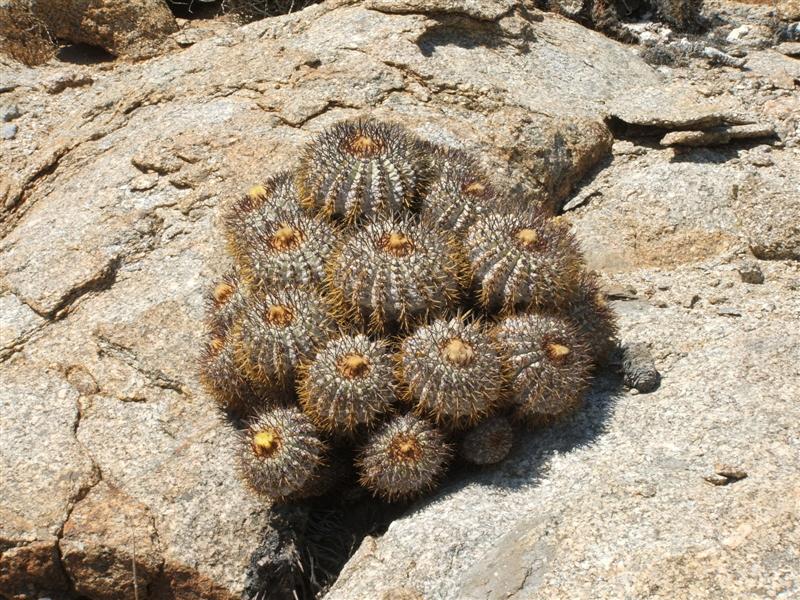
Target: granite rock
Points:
x,y
110,238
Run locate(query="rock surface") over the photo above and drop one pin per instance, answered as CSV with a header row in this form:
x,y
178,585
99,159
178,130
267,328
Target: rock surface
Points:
x,y
131,28
109,239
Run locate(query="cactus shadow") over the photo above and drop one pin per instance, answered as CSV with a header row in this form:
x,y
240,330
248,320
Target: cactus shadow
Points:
x,y
305,546
524,465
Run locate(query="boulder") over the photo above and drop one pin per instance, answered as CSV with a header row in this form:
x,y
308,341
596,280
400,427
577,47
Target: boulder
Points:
x,y
134,29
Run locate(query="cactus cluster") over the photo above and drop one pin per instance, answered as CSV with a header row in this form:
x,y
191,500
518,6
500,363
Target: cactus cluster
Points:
x,y
389,313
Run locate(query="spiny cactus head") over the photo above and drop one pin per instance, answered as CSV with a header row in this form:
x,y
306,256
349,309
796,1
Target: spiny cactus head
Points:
x,y
220,375
549,365
451,372
348,386
223,303
280,454
590,312
521,260
459,192
362,169
243,219
277,331
394,272
289,250
488,442
224,380
403,459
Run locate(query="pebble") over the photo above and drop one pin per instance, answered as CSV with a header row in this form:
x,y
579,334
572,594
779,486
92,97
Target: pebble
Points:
x,y
146,181
751,273
620,292
8,131
760,160
724,474
639,369
738,33
9,113
727,311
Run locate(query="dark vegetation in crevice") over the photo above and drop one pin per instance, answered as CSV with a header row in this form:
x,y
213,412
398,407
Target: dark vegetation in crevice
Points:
x,y
195,9
245,11
608,16
306,545
83,54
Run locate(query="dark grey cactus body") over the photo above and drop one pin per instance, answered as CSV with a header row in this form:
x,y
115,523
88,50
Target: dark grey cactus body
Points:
x,y
280,454
349,384
362,169
404,459
451,371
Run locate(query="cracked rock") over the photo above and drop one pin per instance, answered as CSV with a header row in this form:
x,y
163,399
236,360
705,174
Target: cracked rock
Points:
x,y
769,212
43,471
106,533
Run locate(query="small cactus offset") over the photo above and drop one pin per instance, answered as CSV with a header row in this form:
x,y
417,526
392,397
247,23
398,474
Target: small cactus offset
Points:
x,y
388,310
488,443
280,454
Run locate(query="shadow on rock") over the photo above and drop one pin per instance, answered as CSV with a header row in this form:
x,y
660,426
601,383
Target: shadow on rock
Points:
x,y
307,545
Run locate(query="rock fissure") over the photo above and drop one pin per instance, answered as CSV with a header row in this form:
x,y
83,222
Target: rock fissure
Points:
x,y
155,377
101,282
